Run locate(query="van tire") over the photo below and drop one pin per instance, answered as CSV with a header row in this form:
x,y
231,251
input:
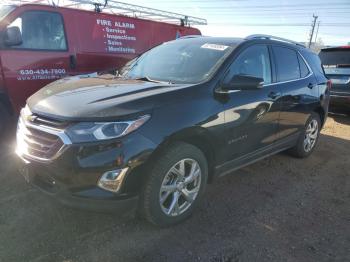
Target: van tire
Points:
x,y
150,201
300,150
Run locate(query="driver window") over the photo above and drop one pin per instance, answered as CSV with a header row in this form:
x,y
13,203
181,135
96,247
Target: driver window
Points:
x,y
253,61
41,31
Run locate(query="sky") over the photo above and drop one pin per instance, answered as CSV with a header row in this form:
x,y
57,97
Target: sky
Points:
x,y
284,18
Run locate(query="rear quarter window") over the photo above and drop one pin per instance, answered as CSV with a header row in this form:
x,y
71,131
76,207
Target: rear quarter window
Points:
x,y
304,70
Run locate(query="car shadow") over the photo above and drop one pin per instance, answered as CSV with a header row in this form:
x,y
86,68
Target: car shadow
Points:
x,y
340,116
278,208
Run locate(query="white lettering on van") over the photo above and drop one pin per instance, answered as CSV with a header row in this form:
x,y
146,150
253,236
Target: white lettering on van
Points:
x,y
124,25
104,22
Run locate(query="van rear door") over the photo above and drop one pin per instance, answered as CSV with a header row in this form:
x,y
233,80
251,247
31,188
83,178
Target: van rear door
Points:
x,y
42,57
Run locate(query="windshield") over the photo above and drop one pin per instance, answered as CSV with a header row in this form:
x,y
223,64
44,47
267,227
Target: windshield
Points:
x,y
5,10
181,61
336,57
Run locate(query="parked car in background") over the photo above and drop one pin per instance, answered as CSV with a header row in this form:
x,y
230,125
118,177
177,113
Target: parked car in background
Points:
x,y
336,63
180,115
41,43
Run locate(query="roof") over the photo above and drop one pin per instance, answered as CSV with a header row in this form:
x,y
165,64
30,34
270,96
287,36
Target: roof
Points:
x,y
229,41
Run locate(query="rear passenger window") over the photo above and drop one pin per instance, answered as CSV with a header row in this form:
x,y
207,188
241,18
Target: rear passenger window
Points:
x,y
287,64
304,70
41,31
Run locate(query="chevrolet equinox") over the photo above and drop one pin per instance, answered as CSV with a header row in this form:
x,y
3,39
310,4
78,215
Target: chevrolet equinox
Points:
x,y
173,119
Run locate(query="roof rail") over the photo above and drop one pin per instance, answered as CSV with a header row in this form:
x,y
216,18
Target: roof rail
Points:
x,y
189,36
120,8
271,37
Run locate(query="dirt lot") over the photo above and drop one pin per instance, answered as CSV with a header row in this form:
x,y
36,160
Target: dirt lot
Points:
x,y
279,209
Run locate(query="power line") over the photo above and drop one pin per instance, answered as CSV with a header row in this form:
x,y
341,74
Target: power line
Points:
x,y
280,24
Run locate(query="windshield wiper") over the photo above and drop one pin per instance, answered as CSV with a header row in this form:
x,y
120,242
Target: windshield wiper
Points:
x,y
148,79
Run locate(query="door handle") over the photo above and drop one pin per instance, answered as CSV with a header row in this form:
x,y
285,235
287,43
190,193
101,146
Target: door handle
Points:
x,y
73,61
274,95
310,85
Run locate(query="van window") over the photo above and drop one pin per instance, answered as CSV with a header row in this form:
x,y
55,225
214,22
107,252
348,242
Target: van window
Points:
x,y
304,70
253,61
41,31
287,64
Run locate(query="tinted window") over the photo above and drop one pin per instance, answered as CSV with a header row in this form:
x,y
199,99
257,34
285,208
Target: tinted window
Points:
x,y
335,57
253,61
287,64
41,30
304,70
180,61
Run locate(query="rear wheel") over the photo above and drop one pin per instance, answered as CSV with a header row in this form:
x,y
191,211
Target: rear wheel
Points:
x,y
175,185
309,137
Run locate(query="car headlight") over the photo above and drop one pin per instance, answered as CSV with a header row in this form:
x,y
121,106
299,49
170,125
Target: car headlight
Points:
x,y
96,131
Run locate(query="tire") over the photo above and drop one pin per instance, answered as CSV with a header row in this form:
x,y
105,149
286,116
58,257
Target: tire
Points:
x,y
4,120
164,185
301,150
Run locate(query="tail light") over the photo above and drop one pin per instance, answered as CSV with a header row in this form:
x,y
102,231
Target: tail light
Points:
x,y
329,84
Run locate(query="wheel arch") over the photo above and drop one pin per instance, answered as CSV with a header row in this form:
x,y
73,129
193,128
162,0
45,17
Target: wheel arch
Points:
x,y
322,114
196,136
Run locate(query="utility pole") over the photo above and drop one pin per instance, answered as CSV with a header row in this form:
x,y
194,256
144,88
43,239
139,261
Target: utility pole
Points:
x,y
318,26
313,28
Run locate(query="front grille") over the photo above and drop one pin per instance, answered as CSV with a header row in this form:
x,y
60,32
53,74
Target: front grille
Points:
x,y
38,139
39,120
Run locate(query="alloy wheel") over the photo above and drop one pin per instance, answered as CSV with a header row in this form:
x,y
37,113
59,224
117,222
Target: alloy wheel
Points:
x,y
180,187
311,135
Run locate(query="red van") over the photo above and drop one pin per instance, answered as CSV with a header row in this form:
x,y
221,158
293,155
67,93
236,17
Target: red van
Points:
x,y
42,43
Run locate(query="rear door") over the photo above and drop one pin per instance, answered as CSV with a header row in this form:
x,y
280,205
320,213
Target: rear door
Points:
x,y
41,58
299,90
251,116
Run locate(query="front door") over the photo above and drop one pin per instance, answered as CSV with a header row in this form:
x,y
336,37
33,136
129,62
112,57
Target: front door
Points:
x,y
41,58
251,116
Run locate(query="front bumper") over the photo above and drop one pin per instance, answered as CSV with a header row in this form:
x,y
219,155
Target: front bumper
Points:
x,y
72,178
90,198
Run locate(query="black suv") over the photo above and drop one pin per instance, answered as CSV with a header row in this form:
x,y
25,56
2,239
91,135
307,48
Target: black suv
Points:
x,y
336,63
175,118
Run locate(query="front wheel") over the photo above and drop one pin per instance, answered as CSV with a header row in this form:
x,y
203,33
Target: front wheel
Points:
x,y
308,138
175,185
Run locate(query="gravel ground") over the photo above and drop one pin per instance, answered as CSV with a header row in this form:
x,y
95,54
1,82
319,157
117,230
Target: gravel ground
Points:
x,y
279,209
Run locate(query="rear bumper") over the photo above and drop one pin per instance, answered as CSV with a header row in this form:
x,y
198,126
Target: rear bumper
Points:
x,y
340,99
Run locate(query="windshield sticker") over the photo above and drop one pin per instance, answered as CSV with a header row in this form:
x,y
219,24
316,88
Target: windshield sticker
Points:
x,y
214,47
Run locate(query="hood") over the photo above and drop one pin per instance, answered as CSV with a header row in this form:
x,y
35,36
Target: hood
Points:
x,y
96,98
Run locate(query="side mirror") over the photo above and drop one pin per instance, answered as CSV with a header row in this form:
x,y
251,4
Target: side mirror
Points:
x,y
13,36
244,82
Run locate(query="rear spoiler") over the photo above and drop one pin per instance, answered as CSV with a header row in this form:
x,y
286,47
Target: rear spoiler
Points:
x,y
336,48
